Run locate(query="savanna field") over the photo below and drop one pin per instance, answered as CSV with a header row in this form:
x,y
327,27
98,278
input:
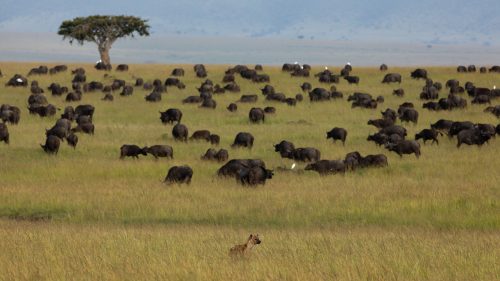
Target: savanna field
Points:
x,y
87,215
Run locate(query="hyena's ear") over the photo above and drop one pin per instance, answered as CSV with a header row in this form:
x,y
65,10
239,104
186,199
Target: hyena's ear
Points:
x,y
250,237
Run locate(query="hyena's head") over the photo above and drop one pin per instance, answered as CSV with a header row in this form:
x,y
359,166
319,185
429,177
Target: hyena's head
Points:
x,y
254,239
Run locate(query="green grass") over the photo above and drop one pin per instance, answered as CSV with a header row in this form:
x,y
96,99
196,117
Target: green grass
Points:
x,y
87,215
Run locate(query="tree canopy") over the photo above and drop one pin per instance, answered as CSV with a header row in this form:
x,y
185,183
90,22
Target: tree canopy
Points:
x,y
102,30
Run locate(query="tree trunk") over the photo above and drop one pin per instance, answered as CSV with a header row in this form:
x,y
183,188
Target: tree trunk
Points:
x,y
104,52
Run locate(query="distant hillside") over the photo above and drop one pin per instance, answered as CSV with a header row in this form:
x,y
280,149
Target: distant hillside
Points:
x,y
425,21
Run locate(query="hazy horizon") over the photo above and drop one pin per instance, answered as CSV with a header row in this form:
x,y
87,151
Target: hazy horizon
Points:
x,y
46,47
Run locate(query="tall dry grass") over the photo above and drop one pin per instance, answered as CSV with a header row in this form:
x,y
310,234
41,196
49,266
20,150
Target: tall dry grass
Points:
x,y
433,218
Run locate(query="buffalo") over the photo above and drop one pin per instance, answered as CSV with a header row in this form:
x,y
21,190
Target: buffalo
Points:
x,y
352,79
254,175
232,107
180,132
324,167
52,144
201,135
472,136
399,92
160,151
268,89
10,113
214,139
404,147
4,133
428,134
256,115
72,140
212,154
171,115
17,81
269,110
419,73
394,129
43,111
392,78
234,166
243,139
179,175
276,97
337,134
248,98
381,123
306,154
87,128
285,148
122,67
458,126
131,150
319,94
408,115
178,72
208,103
153,97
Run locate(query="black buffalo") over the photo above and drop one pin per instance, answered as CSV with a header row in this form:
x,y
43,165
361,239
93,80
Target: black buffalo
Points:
x,y
4,133
319,94
160,151
285,148
392,78
234,166
72,140
180,132
458,126
325,167
192,99
171,115
178,72
428,134
201,135
87,128
405,147
243,139
442,125
306,154
10,114
399,92
52,144
214,139
472,136
381,123
269,110
394,129
248,98
153,97
337,134
256,115
407,114
208,103
122,67
131,150
232,107
179,174
352,79
419,73
254,175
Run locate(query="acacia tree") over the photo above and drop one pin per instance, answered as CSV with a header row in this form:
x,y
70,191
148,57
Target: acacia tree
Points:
x,y
102,30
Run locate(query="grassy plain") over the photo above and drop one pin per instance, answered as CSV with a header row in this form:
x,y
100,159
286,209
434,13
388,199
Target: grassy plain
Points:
x,y
86,215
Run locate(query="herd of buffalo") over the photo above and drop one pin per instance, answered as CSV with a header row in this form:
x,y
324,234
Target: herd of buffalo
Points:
x,y
393,137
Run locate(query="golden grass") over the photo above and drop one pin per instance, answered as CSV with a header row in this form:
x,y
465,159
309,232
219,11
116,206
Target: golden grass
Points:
x,y
101,218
